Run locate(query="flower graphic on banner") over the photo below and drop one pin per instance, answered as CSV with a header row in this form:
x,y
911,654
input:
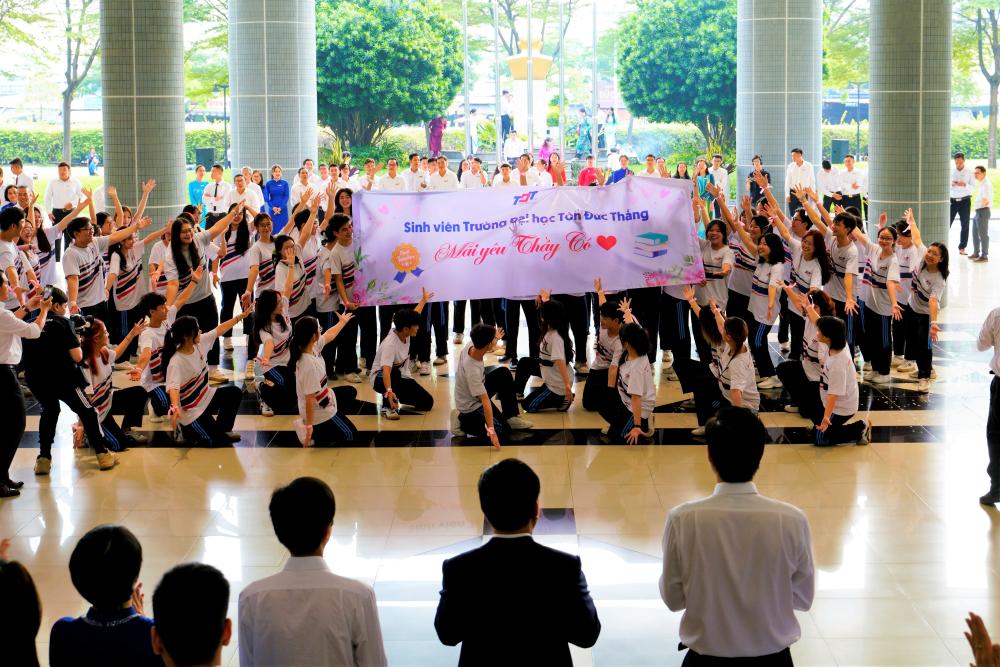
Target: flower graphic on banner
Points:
x,y
406,259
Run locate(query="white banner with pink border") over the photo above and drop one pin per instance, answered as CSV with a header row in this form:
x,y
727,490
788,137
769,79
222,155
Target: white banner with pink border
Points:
x,y
512,242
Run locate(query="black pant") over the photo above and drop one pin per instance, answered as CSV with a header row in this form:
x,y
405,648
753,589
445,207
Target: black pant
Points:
x,y
576,310
336,429
207,314
853,200
919,347
757,340
49,395
703,347
780,659
596,391
512,315
963,208
783,314
855,324
646,307
506,125
57,243
12,398
674,326
540,398
385,314
407,390
99,311
797,325
212,218
993,436
278,390
696,377
738,305
899,342
500,383
130,403
217,420
232,290
435,317
620,419
342,354
126,320
802,391
829,201
482,312
878,341
839,430
159,401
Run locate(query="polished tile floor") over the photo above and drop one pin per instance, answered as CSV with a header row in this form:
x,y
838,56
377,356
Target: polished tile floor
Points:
x,y
902,547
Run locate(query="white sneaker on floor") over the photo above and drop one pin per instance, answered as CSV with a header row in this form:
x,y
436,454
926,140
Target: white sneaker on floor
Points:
x,y
794,409
265,410
866,435
248,373
880,379
699,432
519,423
915,372
227,344
785,347
353,378
218,376
458,339
924,386
897,361
391,414
581,369
140,438
868,375
867,367
156,419
414,366
456,427
906,367
300,432
770,383
667,357
425,368
440,361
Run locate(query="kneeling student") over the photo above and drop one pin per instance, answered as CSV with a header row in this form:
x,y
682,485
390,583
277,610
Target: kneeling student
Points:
x,y
603,377
475,386
390,375
554,349
628,415
838,389
321,421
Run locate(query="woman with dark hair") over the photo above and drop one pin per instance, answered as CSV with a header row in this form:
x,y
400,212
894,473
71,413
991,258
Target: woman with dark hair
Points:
x,y
718,259
206,414
702,179
21,613
878,292
929,283
628,417
10,196
320,408
768,280
800,377
909,253
98,365
273,329
233,268
838,390
343,201
276,195
681,171
260,276
557,169
552,365
126,282
190,249
290,277
45,237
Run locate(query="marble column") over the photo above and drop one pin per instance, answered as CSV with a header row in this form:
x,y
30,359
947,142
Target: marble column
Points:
x,y
779,54
910,132
142,78
272,76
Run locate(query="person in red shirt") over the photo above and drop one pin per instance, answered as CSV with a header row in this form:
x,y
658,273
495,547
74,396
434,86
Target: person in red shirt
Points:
x,y
591,174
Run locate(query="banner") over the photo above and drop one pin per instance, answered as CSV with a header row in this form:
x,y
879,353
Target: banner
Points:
x,y
512,242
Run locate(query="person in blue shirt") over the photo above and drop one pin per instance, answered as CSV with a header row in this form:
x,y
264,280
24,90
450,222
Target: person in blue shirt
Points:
x,y
620,174
196,188
276,193
703,179
104,568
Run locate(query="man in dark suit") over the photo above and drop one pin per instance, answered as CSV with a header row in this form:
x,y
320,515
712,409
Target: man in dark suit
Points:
x,y
513,601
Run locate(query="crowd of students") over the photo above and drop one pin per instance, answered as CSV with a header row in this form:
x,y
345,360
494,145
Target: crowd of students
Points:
x,y
286,256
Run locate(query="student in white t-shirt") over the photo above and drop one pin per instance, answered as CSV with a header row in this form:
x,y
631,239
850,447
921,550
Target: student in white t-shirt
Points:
x,y
503,179
127,282
838,390
206,414
260,276
800,377
273,328
603,376
321,409
475,387
84,267
628,413
879,287
765,287
552,364
475,178
390,373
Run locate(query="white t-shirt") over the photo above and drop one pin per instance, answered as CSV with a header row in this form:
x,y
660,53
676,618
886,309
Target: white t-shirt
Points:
x,y
188,373
10,258
151,338
88,266
909,261
806,273
813,352
843,260
879,271
129,285
390,184
607,350
261,255
298,298
281,339
325,303
543,179
530,177
746,263
309,253
391,352
342,264
635,378
413,179
100,389
498,181
926,284
840,378
438,182
157,257
764,276
552,349
470,378
736,372
46,271
233,265
715,283
471,181
311,385
202,241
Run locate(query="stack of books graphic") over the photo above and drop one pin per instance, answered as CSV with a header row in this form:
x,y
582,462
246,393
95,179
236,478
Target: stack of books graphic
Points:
x,y
651,244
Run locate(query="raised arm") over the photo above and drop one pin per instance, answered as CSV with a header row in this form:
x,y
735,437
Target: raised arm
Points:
x,y
307,229
342,320
134,333
147,187
220,226
425,296
120,235
599,289
229,324
85,201
112,192
914,231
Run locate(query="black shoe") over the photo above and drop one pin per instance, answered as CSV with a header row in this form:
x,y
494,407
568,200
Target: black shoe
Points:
x,y
14,485
7,492
991,498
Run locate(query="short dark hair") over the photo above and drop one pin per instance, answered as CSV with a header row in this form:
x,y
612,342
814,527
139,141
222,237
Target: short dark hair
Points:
x,y
850,155
104,566
150,301
609,309
980,168
301,511
508,494
338,220
413,155
756,157
634,335
63,164
834,329
189,609
10,217
957,155
826,164
716,155
16,162
849,220
482,335
405,318
797,150
736,438
21,615
217,166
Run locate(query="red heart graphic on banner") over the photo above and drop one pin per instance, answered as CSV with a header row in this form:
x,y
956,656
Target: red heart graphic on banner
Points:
x,y
607,242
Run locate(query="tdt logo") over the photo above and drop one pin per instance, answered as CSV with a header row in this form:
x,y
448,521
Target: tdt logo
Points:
x,y
525,198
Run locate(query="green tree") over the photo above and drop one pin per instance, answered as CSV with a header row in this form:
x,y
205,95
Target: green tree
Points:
x,y
677,64
845,42
18,19
206,62
381,63
82,45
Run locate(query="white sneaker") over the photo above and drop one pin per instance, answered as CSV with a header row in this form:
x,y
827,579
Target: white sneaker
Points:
x,y
414,366
924,386
265,410
906,367
897,361
667,357
459,339
699,432
880,379
300,432
868,375
227,344
425,368
915,372
440,361
581,369
770,383
456,427
391,414
785,347
353,378
248,373
156,419
794,409
218,376
868,366
866,435
124,366
519,423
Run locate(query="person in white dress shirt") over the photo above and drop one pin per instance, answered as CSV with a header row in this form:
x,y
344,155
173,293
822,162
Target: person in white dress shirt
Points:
x,y
366,181
981,226
513,147
391,181
20,178
306,614
542,176
190,604
413,176
710,545
215,196
524,175
300,187
62,194
443,178
960,194
476,178
248,178
854,186
798,175
242,192
503,178
721,176
828,185
314,179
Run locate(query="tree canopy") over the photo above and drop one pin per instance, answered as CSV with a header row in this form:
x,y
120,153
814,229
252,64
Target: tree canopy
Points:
x,y
382,63
677,62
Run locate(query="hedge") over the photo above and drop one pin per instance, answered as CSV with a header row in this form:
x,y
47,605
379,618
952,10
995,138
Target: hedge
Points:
x,y
45,147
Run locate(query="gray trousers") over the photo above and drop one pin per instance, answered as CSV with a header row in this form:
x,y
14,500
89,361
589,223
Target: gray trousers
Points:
x,y
981,232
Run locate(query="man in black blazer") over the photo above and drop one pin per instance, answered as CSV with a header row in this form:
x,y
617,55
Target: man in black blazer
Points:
x,y
513,601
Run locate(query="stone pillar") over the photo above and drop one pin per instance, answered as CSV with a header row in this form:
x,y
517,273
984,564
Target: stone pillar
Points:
x,y
142,77
910,131
272,76
779,54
